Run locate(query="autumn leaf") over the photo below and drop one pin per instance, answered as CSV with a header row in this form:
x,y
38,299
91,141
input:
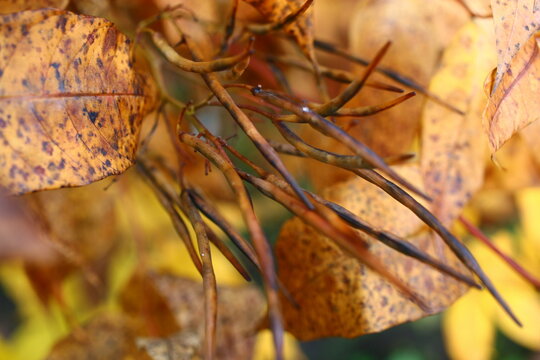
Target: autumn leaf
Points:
x,y
11,6
453,153
104,337
338,296
515,22
149,313
71,99
240,310
513,104
301,29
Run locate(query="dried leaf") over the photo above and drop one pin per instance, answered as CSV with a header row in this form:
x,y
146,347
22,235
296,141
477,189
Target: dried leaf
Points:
x,y
515,21
453,150
11,6
240,311
182,346
148,310
104,337
337,296
513,103
515,168
530,135
301,29
71,100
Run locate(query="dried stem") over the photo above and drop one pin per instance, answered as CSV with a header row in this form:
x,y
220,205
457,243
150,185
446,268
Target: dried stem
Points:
x,y
224,250
425,215
168,204
245,123
328,128
209,278
229,29
261,245
472,13
373,109
327,47
213,214
385,237
334,74
200,67
261,29
334,228
477,233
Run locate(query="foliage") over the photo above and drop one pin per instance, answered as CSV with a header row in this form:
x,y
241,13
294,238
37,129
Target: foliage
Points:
x,y
191,97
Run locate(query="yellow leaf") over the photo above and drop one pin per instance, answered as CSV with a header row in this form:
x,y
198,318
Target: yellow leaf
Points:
x,y
529,207
453,153
40,328
72,101
469,332
526,303
264,347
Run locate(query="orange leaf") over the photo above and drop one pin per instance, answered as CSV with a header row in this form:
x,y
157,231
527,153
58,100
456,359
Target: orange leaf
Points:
x,y
513,103
147,308
338,296
301,29
71,100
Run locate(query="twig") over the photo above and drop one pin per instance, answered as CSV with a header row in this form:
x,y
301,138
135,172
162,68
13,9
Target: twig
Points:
x,y
472,13
245,123
385,237
327,47
477,233
334,228
229,29
261,29
262,247
209,278
200,67
224,250
326,127
210,212
167,202
334,74
425,215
